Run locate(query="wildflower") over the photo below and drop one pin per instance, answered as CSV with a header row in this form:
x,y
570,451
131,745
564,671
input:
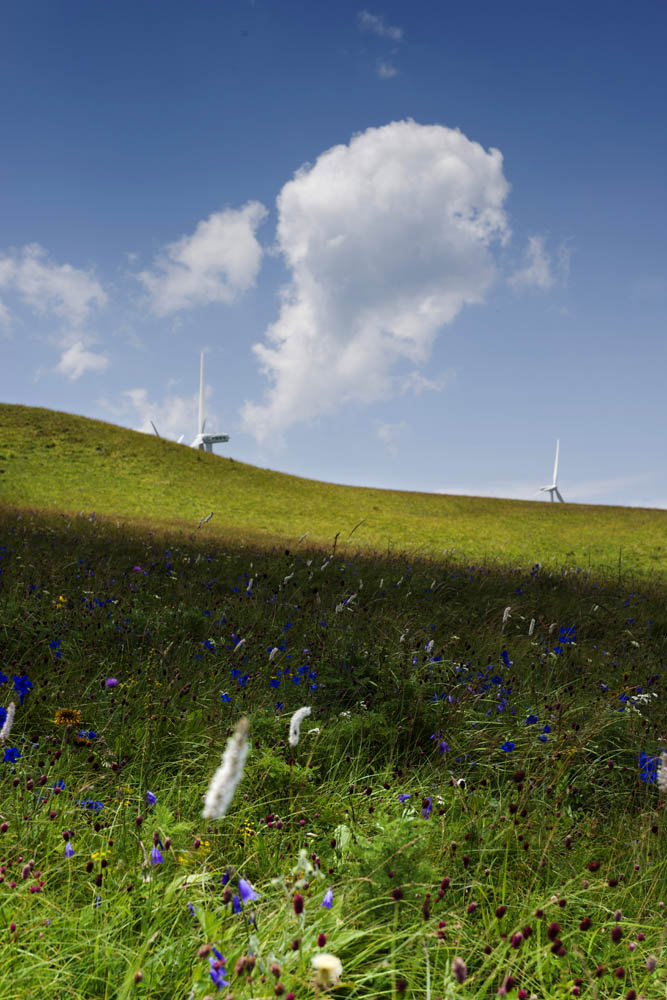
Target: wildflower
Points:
x,y
156,856
327,902
427,807
111,682
328,969
236,905
248,894
218,970
295,724
9,721
69,850
403,797
226,778
67,717
21,685
508,746
150,799
531,720
649,768
11,754
459,970
297,903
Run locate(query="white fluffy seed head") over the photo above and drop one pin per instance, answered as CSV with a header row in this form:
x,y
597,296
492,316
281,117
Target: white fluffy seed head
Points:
x,y
223,784
662,773
8,723
328,969
295,724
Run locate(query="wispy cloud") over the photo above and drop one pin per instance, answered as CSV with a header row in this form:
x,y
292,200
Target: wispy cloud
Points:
x,y
540,269
375,24
46,287
76,360
390,434
371,285
217,263
385,69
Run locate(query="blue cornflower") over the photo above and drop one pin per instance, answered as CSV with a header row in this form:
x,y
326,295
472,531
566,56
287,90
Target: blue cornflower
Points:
x,y
531,720
248,894
69,850
217,970
156,856
508,746
11,754
403,797
274,682
151,799
427,807
22,685
327,902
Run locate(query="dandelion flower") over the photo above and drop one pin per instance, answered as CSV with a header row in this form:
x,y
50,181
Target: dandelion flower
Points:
x,y
8,723
67,717
295,724
328,969
223,784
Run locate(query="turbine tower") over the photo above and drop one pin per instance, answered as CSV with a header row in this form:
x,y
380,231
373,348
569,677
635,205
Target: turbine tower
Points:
x,y
204,441
554,483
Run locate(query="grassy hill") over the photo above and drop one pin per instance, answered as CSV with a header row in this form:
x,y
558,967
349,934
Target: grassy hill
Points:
x,y
57,461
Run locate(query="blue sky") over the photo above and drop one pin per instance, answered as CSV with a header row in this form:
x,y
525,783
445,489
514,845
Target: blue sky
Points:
x,y
418,243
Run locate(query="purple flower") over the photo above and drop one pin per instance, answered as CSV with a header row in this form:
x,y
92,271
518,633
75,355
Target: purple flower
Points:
x,y
427,806
150,799
225,878
111,682
156,856
531,720
444,746
217,971
403,797
137,569
69,850
236,905
508,746
247,891
191,909
328,899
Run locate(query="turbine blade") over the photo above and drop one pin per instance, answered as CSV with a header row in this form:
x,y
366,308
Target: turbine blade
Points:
x,y
154,428
180,438
559,496
555,478
201,421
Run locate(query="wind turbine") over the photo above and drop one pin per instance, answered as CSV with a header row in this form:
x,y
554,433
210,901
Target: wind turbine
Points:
x,y
160,436
554,485
204,441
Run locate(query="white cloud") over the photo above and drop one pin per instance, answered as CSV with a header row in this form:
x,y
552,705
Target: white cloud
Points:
x,y
5,318
48,287
537,269
389,433
387,238
385,69
375,23
216,263
76,360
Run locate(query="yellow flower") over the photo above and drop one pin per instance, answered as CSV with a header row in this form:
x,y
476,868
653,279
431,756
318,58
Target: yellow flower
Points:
x,y
67,717
61,600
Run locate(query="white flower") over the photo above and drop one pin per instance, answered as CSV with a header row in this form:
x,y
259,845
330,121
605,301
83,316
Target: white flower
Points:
x,y
295,724
328,969
223,784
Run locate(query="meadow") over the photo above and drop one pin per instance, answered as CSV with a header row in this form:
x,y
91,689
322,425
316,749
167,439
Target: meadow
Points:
x,y
472,807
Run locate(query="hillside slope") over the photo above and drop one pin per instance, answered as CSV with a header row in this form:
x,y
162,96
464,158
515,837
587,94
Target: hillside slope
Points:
x,y
58,461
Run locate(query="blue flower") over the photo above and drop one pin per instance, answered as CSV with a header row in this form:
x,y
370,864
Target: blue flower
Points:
x,y
403,797
11,754
225,697
649,768
191,909
248,894
508,746
504,656
236,905
217,970
327,902
22,685
531,720
3,679
427,807
546,729
543,738
225,878
3,715
69,850
150,799
156,856
94,805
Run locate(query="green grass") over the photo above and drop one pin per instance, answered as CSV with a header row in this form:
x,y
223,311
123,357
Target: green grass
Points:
x,y
57,461
521,709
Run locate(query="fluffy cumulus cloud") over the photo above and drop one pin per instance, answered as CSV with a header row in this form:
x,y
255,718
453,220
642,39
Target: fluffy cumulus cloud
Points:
x,y
219,261
46,287
76,360
386,239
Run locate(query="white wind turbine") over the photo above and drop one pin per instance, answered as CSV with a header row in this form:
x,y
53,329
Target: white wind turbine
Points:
x,y
204,441
160,436
554,484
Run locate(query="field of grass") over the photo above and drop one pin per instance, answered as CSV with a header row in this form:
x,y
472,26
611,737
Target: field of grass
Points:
x,y
472,808
57,461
